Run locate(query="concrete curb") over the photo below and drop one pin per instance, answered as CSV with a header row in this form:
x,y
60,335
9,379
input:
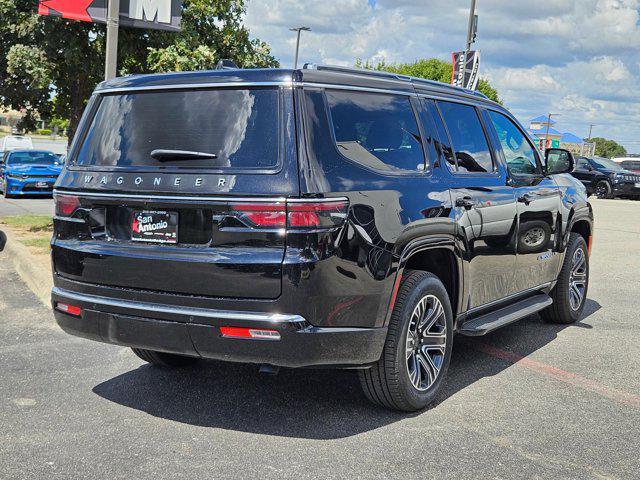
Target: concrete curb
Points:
x,y
36,276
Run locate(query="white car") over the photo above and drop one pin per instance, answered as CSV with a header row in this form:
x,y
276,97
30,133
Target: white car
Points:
x,y
622,159
13,142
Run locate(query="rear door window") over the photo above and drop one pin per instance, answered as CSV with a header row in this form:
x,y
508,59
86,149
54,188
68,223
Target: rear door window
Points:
x,y
379,131
240,127
472,154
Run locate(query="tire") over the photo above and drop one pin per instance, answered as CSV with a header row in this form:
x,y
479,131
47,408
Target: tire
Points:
x,y
388,382
165,360
603,189
565,309
533,236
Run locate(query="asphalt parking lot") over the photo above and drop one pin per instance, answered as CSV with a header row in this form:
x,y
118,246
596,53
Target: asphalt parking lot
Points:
x,y
529,401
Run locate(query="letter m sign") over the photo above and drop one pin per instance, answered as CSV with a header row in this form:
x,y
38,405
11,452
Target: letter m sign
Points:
x,y
150,10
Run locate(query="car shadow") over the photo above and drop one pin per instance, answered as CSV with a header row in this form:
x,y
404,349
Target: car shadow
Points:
x,y
311,404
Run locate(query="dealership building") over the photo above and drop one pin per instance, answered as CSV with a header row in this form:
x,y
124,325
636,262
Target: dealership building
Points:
x,y
542,128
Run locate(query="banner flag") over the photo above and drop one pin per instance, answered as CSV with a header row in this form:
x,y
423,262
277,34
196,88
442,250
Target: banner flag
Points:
x,y
153,14
465,76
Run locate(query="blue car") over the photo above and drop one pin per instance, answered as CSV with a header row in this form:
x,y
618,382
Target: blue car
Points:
x,y
28,172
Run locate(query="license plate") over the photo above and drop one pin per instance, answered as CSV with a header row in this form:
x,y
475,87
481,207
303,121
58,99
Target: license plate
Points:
x,y
154,226
637,184
42,184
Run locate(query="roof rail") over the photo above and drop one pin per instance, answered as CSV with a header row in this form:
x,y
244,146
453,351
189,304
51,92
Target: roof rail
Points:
x,y
396,76
355,70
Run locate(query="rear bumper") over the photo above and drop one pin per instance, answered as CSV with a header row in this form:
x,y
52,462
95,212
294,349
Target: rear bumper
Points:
x,y
196,332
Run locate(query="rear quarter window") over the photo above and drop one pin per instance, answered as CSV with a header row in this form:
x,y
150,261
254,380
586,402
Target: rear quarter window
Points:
x,y
239,126
378,131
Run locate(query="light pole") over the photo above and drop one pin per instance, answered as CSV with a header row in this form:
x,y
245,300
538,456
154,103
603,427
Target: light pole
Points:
x,y
111,57
471,38
546,135
298,29
473,25
590,130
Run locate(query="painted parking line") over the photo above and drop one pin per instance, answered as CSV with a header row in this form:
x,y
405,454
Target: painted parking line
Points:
x,y
570,378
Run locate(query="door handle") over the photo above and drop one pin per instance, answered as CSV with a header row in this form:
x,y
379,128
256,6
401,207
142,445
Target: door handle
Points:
x,y
466,202
526,199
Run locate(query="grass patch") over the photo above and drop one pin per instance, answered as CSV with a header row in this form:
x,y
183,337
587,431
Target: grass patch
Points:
x,y
30,223
42,242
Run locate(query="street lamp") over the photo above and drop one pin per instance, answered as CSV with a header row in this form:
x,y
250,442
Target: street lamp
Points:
x,y
298,29
546,135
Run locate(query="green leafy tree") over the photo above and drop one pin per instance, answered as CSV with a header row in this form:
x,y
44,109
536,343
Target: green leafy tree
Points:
x,y
431,69
608,148
42,57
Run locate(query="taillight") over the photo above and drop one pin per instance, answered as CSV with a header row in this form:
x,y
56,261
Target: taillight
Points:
x,y
317,214
68,309
262,215
296,214
66,204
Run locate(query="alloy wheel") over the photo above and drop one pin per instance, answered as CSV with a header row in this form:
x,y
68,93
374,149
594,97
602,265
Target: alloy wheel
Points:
x,y
426,342
602,190
577,279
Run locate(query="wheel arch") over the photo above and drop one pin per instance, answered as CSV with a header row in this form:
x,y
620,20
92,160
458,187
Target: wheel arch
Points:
x,y
439,256
580,222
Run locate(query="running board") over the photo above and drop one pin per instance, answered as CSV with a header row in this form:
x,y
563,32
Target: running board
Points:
x,y
499,318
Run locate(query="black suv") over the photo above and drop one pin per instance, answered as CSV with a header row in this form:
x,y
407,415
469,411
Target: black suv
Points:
x,y
605,178
312,218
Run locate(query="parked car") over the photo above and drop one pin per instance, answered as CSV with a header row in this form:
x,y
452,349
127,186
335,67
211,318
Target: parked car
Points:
x,y
631,165
605,178
3,240
28,172
13,142
321,217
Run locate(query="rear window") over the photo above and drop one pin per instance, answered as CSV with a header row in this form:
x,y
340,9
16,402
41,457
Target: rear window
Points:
x,y
239,127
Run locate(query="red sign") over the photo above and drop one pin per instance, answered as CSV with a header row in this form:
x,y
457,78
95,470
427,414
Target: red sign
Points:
x,y
153,14
72,9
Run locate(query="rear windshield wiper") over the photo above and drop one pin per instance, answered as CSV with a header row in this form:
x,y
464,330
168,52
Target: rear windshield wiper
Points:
x,y
177,155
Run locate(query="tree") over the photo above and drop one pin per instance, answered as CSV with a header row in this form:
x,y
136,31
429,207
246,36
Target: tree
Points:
x,y
608,148
431,69
42,57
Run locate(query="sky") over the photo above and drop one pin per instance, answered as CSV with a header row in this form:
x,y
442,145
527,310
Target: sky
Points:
x,y
577,58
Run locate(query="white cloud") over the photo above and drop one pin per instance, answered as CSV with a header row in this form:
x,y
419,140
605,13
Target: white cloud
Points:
x,y
578,56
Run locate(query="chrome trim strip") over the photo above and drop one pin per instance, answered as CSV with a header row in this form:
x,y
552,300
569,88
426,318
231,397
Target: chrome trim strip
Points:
x,y
198,198
356,88
179,86
188,311
171,197
291,83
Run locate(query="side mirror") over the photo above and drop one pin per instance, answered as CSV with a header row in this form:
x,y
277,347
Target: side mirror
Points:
x,y
558,160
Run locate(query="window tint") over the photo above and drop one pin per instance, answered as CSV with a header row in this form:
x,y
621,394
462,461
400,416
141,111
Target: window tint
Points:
x,y
467,136
443,145
376,130
519,153
239,126
582,164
